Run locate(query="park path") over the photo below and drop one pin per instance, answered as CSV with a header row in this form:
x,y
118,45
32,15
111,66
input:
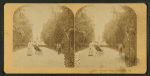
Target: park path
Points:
x,y
48,58
108,58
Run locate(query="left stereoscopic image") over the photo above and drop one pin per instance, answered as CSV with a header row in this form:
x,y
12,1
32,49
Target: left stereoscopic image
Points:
x,y
41,34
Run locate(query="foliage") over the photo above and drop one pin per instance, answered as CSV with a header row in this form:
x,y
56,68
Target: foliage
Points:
x,y
84,31
54,31
21,28
116,30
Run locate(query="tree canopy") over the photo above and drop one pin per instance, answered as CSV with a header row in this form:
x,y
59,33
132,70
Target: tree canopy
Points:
x,y
22,28
115,31
55,29
84,31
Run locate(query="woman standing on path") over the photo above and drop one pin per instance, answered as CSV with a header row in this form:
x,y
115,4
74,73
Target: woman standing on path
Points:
x,y
91,49
29,52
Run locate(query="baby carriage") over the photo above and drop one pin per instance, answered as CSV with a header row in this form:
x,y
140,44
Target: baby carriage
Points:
x,y
98,48
38,51
37,48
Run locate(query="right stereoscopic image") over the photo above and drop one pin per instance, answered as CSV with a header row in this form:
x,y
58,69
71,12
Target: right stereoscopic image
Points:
x,y
105,36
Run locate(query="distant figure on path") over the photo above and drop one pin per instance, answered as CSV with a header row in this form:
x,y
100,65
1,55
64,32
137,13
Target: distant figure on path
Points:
x,y
120,46
132,55
59,48
29,52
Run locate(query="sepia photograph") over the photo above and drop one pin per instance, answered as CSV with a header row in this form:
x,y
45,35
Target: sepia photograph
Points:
x,y
106,36
75,38
41,35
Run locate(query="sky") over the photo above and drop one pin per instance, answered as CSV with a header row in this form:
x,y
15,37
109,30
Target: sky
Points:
x,y
101,14
39,14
